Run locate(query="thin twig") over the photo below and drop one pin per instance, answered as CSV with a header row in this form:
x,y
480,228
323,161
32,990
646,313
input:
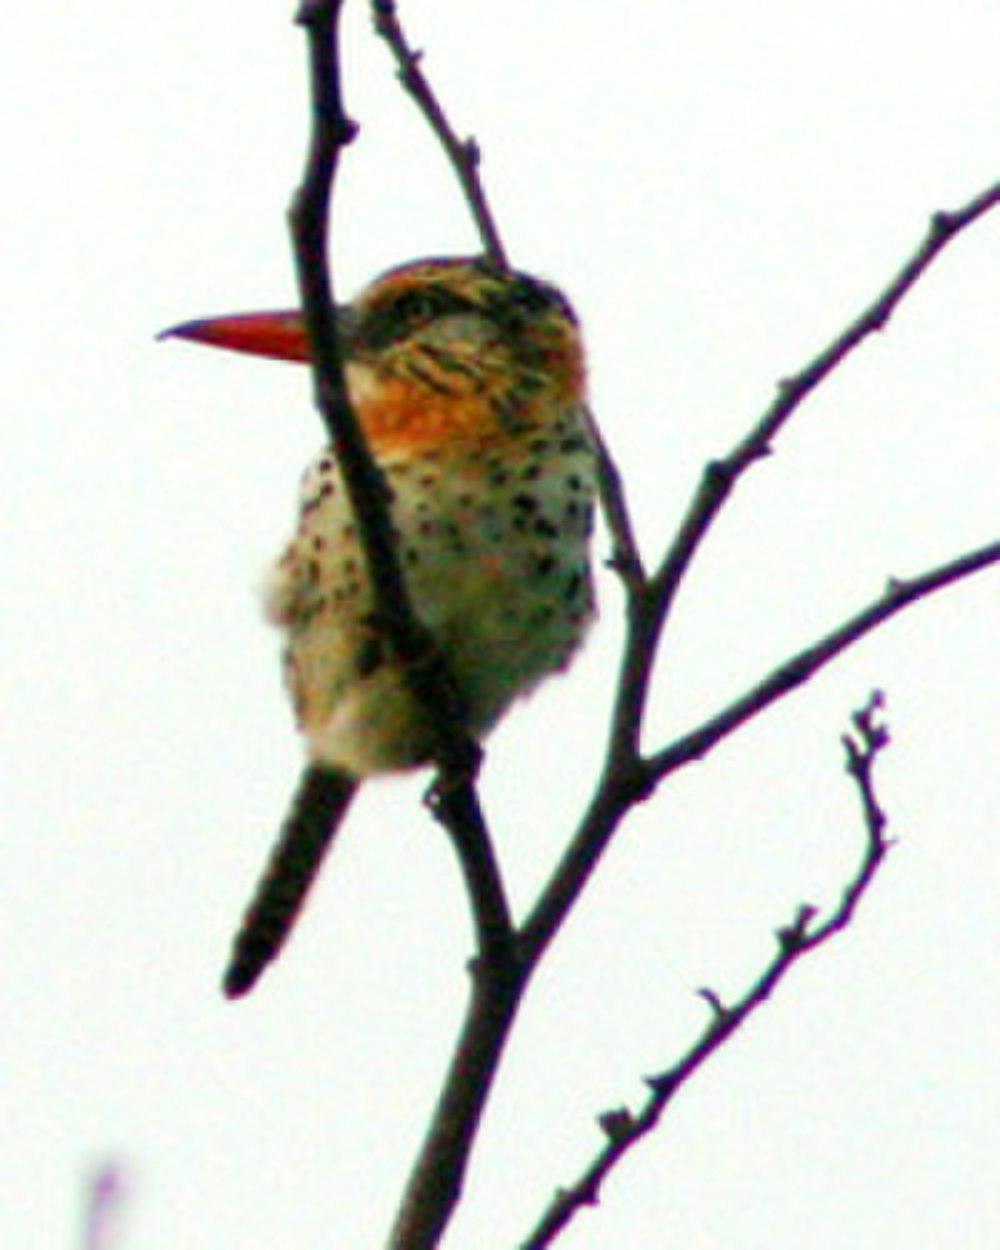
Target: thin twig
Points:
x,y
626,558
624,1128
464,155
807,663
722,475
465,159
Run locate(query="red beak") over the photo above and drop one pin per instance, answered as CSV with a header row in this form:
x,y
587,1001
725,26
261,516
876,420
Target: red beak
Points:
x,y
280,335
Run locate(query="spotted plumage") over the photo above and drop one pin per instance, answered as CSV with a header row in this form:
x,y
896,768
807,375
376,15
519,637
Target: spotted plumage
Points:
x,y
469,386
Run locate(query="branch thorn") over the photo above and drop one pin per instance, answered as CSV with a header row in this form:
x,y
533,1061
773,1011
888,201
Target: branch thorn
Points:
x,y
617,1123
719,1008
792,936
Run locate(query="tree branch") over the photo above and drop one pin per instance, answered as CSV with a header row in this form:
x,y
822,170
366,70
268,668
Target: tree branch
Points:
x,y
435,1184
627,777
624,1128
623,786
626,558
807,663
463,155
453,797
456,755
652,605
499,984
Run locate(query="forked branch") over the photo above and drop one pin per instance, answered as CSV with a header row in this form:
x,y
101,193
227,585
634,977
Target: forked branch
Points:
x,y
502,974
623,1128
628,776
650,605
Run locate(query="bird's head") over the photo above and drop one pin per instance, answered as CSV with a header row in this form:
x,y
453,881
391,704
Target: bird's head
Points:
x,y
438,346
446,331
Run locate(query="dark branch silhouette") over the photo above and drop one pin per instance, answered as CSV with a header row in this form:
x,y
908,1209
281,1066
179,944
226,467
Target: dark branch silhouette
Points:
x,y
624,1128
630,779
464,155
649,605
507,960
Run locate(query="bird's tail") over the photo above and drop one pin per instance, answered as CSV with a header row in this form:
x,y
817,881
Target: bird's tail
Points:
x,y
318,806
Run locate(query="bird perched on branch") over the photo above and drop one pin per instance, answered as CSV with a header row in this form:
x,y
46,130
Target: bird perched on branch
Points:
x,y
469,385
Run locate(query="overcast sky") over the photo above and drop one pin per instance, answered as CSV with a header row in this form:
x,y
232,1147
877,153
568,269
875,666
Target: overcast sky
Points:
x,y
719,187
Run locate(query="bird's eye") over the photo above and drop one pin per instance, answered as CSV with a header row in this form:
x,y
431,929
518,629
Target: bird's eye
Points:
x,y
397,318
414,307
425,303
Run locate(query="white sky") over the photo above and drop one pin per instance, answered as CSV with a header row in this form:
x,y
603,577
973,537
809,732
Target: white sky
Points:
x,y
719,186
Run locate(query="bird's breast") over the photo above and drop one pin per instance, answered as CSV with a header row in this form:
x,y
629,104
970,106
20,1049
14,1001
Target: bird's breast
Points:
x,y
493,537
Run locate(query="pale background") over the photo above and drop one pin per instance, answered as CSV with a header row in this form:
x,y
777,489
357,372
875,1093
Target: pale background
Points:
x,y
720,186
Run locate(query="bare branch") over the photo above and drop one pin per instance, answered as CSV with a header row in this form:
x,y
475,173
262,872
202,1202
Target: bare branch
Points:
x,y
435,1184
436,1181
464,155
456,807
624,1128
807,663
630,780
626,559
627,777
499,984
465,159
721,476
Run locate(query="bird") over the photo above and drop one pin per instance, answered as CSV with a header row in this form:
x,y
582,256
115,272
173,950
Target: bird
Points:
x,y
469,384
